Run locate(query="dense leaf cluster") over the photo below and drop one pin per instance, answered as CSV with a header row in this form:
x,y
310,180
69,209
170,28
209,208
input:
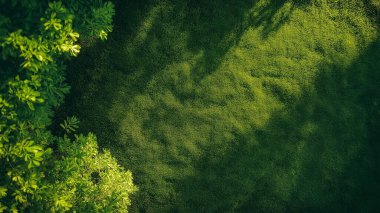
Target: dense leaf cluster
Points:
x,y
38,170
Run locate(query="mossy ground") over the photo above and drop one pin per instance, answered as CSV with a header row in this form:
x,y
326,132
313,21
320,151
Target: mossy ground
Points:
x,y
245,106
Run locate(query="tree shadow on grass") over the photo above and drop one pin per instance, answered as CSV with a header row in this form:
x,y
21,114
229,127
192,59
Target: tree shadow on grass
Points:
x,y
223,23
148,37
172,27
319,153
271,16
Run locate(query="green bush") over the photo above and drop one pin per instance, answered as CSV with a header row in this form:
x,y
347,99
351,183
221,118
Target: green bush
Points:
x,y
93,19
84,180
40,171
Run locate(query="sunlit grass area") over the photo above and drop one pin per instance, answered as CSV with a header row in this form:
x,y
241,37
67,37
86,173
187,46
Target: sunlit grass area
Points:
x,y
219,106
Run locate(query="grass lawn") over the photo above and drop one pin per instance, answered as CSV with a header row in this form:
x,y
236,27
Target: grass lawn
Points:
x,y
220,106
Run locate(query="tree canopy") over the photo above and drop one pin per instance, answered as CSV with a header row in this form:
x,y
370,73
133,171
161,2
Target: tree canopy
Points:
x,y
39,170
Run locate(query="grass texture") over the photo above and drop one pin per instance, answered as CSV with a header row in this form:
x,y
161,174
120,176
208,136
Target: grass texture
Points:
x,y
245,106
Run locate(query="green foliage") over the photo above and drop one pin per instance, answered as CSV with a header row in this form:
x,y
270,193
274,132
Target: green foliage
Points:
x,y
93,18
84,180
70,125
251,106
33,177
100,24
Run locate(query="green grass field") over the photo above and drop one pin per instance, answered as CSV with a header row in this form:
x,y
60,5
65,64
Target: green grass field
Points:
x,y
245,106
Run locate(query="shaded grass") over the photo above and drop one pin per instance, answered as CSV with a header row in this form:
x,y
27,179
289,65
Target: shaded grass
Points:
x,y
220,106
